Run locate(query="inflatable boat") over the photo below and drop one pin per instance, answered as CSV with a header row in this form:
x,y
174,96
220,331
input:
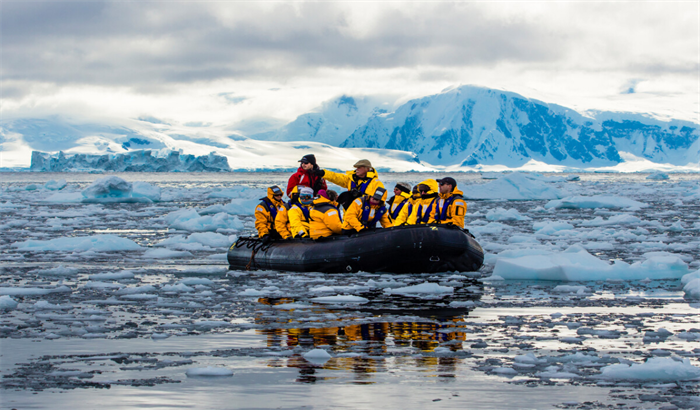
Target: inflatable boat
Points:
x,y
402,249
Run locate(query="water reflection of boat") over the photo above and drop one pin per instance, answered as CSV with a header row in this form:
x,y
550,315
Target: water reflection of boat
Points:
x,y
403,249
362,349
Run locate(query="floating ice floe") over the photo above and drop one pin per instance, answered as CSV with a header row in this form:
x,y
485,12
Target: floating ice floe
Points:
x,y
125,274
7,303
515,186
657,369
54,185
595,201
57,271
502,214
576,264
190,220
208,372
339,299
241,206
658,176
198,241
691,285
317,356
621,219
97,243
113,189
427,288
12,291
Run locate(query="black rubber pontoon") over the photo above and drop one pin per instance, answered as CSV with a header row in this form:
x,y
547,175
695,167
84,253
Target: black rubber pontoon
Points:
x,y
402,249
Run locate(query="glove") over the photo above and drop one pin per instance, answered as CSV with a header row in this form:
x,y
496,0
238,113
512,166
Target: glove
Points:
x,y
266,239
320,172
300,235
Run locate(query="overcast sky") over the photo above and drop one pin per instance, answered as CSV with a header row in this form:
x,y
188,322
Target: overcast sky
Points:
x,y
223,62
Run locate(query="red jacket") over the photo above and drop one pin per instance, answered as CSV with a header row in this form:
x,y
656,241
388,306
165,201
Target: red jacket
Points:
x,y
306,178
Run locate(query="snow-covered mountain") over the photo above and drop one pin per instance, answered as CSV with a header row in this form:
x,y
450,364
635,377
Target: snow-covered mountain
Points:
x,y
470,125
331,123
460,129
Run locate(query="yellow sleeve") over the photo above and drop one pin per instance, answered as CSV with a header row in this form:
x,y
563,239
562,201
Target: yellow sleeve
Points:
x,y
282,223
342,180
459,210
262,220
296,222
386,220
352,216
403,215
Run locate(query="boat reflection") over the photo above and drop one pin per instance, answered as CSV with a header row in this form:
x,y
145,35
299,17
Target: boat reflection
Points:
x,y
365,349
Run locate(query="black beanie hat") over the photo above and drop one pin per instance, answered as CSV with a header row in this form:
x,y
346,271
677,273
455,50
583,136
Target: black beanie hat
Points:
x,y
310,158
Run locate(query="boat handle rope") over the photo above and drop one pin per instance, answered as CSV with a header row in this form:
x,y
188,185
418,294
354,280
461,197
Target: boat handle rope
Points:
x,y
255,244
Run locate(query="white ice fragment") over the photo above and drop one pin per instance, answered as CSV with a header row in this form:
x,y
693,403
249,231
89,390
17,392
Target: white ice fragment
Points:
x,y
595,201
654,369
7,303
339,299
427,288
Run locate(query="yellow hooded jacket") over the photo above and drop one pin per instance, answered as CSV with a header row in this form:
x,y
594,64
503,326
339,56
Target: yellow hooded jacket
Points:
x,y
450,208
349,181
265,213
353,216
325,218
282,220
423,205
407,210
397,205
299,218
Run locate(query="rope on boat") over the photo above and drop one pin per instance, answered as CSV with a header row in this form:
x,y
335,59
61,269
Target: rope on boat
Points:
x,y
253,243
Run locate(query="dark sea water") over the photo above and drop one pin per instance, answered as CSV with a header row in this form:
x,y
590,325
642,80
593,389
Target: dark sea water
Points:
x,y
88,343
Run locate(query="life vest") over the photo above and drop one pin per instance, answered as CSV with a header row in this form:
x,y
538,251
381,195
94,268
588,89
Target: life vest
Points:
x,y
441,215
362,187
270,207
395,213
423,215
366,209
305,210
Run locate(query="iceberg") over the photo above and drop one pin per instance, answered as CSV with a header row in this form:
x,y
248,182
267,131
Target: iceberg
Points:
x,y
164,160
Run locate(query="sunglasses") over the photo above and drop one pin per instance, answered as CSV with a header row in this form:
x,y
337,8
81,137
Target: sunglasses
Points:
x,y
305,162
305,196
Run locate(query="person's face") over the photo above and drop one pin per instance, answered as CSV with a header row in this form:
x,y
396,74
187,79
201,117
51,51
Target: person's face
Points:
x,y
306,199
373,201
397,191
306,166
361,171
277,197
445,188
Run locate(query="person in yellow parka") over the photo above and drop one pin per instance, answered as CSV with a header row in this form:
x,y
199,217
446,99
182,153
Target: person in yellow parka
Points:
x,y
300,213
407,210
421,209
282,219
325,216
365,212
364,180
265,213
402,195
450,208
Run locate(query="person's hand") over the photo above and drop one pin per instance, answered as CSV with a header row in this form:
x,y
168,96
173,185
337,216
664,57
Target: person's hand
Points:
x,y
320,172
266,239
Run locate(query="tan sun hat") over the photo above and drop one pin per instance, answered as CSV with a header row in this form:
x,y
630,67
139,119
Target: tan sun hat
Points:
x,y
363,163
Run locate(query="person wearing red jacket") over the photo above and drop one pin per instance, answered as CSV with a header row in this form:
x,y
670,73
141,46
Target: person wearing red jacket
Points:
x,y
306,176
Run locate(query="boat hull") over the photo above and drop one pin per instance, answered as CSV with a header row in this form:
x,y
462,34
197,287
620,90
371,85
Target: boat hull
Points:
x,y
404,249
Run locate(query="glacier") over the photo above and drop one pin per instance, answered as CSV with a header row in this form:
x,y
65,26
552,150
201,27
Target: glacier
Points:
x,y
131,161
